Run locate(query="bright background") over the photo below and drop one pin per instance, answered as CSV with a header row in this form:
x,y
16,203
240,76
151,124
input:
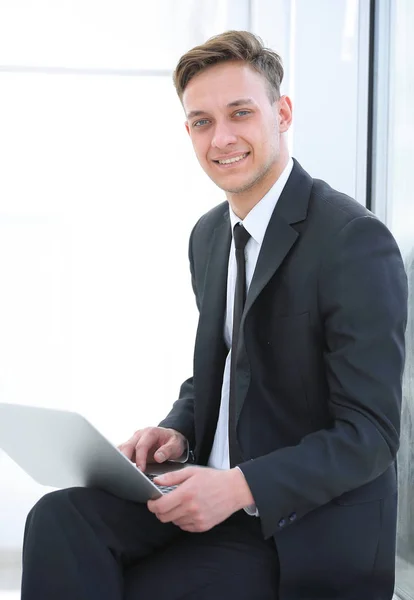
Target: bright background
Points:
x,y
99,189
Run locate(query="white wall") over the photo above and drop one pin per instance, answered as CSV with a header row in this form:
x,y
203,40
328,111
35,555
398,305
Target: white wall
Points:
x,y
324,45
100,188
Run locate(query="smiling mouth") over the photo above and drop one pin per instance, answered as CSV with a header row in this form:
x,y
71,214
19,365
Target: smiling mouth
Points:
x,y
231,161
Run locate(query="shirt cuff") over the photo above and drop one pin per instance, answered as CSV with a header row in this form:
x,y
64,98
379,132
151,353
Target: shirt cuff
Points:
x,y
251,510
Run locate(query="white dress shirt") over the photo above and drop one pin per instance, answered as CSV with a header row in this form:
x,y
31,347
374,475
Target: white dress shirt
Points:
x,y
256,223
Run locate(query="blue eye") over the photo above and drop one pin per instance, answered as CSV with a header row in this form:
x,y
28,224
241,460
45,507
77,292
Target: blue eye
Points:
x,y
198,123
242,112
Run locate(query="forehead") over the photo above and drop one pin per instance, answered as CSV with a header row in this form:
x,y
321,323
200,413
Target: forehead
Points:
x,y
221,84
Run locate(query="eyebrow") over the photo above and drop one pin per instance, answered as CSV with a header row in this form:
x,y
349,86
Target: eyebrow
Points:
x,y
239,102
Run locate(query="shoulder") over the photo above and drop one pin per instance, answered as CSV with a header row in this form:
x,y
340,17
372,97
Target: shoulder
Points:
x,y
335,217
354,241
318,205
335,225
214,216
335,209
205,226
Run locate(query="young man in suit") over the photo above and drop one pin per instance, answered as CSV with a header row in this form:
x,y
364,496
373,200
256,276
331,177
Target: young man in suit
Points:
x,y
294,403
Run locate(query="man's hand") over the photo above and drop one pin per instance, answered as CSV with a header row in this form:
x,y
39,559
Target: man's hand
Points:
x,y
154,444
204,497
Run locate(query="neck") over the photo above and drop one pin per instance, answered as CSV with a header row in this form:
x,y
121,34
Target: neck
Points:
x,y
243,202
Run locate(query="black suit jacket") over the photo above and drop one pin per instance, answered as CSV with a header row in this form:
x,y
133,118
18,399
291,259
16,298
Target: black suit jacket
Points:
x,y
319,365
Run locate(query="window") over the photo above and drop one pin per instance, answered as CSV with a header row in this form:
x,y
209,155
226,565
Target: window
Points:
x,y
394,204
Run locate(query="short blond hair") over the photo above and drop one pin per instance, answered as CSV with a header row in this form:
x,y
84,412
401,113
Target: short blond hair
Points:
x,y
231,46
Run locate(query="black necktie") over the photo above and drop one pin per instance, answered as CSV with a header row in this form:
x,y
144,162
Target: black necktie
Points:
x,y
241,237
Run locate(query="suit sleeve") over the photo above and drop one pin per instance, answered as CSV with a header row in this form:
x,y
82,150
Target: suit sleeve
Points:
x,y
181,416
363,306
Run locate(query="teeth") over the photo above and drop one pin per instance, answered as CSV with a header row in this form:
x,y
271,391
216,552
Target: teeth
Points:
x,y
232,160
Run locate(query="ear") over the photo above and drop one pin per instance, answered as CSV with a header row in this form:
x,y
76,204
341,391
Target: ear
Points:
x,y
187,128
285,113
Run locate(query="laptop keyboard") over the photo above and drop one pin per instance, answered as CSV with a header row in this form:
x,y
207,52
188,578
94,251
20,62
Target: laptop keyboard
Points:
x,y
164,489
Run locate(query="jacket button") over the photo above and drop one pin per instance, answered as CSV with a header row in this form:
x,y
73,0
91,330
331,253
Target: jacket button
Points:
x,y
282,522
292,517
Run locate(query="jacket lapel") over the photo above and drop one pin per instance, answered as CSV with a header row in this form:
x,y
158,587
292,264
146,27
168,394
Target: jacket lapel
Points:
x,y
277,242
292,207
213,303
211,350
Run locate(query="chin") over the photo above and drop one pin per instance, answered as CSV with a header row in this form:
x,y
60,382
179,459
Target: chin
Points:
x,y
238,187
233,184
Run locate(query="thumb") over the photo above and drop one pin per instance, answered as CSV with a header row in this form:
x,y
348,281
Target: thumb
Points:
x,y
167,451
164,452
176,477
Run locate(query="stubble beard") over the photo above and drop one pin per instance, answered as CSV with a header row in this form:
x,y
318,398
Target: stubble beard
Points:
x,y
257,178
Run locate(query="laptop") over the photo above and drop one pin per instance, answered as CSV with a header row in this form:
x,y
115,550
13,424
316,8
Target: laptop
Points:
x,y
61,449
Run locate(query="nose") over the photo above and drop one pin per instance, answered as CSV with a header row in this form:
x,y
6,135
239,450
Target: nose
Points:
x,y
223,136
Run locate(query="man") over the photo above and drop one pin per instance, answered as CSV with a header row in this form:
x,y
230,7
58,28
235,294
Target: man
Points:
x,y
293,410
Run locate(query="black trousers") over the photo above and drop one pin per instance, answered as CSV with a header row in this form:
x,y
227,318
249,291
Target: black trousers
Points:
x,y
85,544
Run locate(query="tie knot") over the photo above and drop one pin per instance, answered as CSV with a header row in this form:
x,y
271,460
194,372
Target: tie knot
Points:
x,y
241,236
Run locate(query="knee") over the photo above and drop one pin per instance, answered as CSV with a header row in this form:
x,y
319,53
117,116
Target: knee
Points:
x,y
54,503
50,520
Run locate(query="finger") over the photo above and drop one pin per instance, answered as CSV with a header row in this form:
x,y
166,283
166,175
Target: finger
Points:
x,y
147,440
165,452
183,522
172,449
167,503
190,527
177,514
176,477
128,447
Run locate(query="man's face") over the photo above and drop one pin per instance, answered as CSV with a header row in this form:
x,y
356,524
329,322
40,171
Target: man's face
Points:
x,y
234,127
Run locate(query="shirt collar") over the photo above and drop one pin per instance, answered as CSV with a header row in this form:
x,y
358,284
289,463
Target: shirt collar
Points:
x,y
257,220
